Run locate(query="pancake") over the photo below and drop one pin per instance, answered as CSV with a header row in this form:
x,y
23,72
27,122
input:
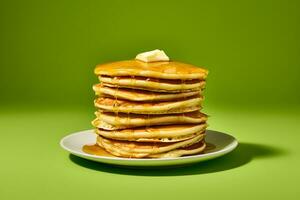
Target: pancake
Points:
x,y
124,106
142,149
140,95
158,85
166,140
163,133
190,150
112,121
162,70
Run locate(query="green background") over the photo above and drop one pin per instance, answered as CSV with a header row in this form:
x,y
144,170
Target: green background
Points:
x,y
48,51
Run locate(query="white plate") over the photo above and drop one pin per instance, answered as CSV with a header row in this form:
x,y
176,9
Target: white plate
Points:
x,y
223,143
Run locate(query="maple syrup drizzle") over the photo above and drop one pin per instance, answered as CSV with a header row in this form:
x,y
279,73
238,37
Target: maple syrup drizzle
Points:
x,y
171,67
115,104
151,100
184,96
133,81
128,118
100,94
101,83
182,85
183,117
148,121
96,150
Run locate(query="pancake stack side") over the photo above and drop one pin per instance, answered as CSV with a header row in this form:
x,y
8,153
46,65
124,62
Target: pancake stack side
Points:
x,y
150,110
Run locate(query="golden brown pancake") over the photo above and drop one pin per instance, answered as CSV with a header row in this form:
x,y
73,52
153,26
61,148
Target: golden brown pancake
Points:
x,y
163,133
123,106
142,149
140,95
158,85
190,150
162,70
113,121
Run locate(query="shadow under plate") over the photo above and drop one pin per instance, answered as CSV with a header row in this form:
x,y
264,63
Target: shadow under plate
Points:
x,y
242,155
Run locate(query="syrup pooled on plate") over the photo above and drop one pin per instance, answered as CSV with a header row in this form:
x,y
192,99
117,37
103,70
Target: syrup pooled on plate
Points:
x,y
96,150
99,151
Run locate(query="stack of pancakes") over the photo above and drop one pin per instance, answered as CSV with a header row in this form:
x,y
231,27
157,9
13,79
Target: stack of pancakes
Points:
x,y
150,109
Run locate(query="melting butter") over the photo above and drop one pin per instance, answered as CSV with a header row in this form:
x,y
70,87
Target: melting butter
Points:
x,y
152,56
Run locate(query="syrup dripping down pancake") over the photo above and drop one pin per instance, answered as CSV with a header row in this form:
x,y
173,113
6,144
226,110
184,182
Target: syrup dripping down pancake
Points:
x,y
150,84
163,133
123,106
140,95
113,121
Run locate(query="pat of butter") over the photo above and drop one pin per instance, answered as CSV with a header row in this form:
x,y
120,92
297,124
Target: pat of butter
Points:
x,y
152,56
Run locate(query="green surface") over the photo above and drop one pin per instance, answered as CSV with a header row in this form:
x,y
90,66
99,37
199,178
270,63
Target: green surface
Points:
x,y
47,54
264,166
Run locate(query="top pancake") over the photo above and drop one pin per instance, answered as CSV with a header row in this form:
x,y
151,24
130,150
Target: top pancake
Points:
x,y
162,70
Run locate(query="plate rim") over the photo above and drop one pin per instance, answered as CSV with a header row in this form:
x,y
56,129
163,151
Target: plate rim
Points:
x,y
221,152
